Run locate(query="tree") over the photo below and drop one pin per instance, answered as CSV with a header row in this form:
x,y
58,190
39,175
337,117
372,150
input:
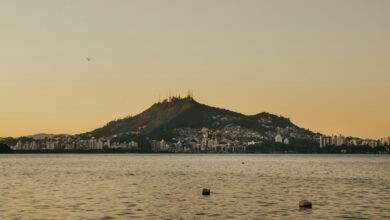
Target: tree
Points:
x,y
4,148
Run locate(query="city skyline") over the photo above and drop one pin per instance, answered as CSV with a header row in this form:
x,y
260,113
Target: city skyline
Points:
x,y
181,124
70,68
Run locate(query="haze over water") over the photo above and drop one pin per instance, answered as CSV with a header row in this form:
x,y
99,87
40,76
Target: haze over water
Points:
x,y
167,186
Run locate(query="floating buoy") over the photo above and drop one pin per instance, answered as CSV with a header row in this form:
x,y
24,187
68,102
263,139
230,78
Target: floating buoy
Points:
x,y
206,192
305,204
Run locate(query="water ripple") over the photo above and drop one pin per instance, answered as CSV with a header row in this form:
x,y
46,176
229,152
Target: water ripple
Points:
x,y
169,186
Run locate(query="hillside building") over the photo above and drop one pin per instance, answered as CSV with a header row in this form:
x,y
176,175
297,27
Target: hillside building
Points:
x,y
278,138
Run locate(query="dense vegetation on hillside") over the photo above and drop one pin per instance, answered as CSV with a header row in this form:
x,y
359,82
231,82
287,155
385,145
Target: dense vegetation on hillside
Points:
x,y
4,148
12,141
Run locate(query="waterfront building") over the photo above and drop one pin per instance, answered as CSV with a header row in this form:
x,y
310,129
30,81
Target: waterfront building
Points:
x,y
154,145
164,146
133,144
340,140
33,146
92,143
373,143
278,138
213,144
204,143
159,145
82,144
370,143
334,140
325,141
19,145
26,146
353,142
108,143
51,145
385,141
99,145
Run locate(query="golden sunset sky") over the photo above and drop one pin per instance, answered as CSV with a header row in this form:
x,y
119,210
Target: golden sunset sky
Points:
x,y
323,63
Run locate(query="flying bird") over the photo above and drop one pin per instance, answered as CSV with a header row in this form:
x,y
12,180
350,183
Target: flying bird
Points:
x,y
88,59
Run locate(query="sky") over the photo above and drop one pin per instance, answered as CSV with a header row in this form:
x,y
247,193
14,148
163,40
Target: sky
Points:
x,y
325,64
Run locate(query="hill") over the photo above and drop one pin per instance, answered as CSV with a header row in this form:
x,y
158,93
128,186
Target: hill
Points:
x,y
176,116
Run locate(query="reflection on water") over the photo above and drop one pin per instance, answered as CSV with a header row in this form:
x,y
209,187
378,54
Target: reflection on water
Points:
x,y
169,186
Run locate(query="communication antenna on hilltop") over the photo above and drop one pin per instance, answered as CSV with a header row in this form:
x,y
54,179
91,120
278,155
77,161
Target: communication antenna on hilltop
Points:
x,y
190,94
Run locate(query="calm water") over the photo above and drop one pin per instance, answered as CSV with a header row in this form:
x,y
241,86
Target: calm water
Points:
x,y
130,186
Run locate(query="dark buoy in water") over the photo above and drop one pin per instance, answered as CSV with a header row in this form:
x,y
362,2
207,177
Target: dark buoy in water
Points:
x,y
305,204
243,162
206,192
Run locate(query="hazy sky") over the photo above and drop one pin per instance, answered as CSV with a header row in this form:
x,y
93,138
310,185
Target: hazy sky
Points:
x,y
323,63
